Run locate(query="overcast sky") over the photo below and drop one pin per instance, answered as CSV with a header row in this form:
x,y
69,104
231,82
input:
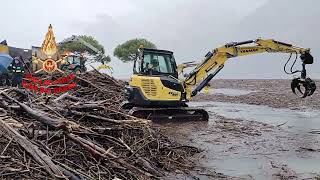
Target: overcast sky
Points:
x,y
187,27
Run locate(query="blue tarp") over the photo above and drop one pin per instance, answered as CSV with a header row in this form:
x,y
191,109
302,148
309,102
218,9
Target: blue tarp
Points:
x,y
5,61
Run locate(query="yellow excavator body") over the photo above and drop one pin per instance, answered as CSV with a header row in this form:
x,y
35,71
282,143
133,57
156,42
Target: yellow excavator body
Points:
x,y
153,89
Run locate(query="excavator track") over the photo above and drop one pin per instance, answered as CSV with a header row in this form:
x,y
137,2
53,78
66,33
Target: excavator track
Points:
x,y
170,114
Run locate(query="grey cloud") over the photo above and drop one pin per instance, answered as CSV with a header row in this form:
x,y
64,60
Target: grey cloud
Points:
x,y
187,27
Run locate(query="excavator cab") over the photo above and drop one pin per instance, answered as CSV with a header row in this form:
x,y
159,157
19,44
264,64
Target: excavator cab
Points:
x,y
155,79
154,90
154,62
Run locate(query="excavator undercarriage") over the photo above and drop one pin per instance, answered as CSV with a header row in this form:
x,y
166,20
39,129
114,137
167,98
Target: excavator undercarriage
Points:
x,y
170,114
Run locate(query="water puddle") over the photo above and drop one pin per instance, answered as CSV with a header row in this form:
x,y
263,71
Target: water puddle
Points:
x,y
230,92
303,165
240,167
305,119
260,168
251,157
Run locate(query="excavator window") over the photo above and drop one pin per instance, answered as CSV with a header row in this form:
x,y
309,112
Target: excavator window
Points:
x,y
156,64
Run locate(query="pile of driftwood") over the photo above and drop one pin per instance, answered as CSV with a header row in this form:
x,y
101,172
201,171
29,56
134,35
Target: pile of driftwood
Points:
x,y
82,134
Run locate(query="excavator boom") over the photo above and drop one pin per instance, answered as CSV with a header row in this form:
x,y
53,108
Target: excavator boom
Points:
x,y
214,61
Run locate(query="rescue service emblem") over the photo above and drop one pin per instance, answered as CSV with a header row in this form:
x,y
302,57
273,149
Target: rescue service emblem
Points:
x,y
49,66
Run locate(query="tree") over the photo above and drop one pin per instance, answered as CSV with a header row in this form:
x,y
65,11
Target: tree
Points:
x,y
103,59
126,52
107,59
81,48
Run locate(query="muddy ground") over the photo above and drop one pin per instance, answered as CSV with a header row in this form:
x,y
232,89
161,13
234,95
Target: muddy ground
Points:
x,y
257,130
273,93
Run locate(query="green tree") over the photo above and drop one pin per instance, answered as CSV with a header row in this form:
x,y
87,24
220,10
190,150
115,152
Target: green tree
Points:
x,y
79,47
107,59
126,52
103,59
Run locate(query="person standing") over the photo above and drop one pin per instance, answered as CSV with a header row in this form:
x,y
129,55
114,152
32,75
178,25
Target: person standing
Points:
x,y
17,70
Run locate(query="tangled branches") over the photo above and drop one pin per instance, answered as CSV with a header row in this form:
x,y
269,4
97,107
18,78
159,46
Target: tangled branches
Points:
x,y
82,134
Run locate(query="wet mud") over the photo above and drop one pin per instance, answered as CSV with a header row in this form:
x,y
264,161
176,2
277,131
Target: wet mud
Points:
x,y
253,135
273,93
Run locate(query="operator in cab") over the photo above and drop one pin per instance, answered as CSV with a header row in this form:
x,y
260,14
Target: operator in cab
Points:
x,y
153,67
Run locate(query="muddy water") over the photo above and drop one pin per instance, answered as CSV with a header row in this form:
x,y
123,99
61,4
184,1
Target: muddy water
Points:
x,y
230,92
299,120
254,142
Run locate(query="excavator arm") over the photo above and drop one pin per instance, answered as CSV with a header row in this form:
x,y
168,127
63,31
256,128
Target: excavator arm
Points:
x,y
214,61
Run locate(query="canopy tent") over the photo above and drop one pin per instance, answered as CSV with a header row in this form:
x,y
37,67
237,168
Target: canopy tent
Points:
x,y
5,61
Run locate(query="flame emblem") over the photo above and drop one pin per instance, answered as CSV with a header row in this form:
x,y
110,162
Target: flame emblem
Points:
x,y
49,48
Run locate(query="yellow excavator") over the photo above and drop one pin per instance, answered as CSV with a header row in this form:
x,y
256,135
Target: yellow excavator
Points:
x,y
155,92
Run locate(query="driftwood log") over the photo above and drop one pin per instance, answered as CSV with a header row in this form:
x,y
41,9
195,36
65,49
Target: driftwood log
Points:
x,y
82,134
33,150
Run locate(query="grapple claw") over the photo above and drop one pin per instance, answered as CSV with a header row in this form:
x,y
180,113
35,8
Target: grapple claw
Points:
x,y
308,84
299,89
